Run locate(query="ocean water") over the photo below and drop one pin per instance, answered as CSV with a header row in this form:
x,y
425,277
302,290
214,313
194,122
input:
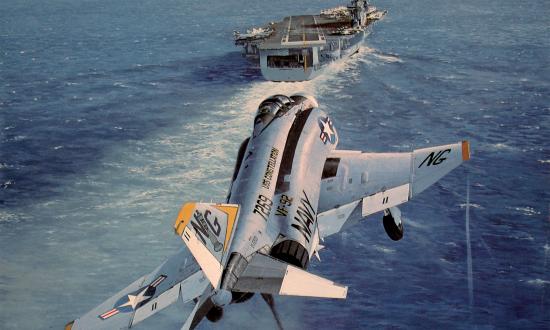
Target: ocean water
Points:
x,y
114,113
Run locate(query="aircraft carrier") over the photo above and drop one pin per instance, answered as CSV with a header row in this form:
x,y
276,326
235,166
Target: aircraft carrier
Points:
x,y
299,47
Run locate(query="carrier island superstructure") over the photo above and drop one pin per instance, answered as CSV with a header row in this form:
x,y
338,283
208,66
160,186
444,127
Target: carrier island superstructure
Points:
x,y
299,47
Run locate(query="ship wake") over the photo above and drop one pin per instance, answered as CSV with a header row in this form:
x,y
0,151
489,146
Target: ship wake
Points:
x,y
335,78
374,56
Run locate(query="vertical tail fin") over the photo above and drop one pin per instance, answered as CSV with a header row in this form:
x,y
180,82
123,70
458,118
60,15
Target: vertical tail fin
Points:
x,y
207,230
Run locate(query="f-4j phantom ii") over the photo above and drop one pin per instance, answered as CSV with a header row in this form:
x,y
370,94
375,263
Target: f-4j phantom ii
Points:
x,y
291,188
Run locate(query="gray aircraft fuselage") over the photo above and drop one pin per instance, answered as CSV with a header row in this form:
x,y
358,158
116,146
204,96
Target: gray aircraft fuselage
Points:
x,y
278,176
290,187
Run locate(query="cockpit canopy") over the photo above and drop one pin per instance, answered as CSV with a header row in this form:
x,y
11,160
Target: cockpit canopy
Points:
x,y
276,106
273,106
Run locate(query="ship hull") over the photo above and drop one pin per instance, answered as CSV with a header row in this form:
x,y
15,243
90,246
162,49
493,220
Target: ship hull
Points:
x,y
347,47
291,74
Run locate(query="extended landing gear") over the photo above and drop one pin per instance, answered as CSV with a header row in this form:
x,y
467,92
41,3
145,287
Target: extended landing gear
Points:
x,y
393,224
214,314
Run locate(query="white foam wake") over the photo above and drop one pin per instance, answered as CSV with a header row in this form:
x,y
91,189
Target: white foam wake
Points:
x,y
333,80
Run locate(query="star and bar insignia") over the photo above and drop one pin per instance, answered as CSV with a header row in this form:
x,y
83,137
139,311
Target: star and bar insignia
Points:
x,y
327,130
134,300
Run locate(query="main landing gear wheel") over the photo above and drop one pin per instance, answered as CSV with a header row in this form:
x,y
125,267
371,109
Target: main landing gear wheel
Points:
x,y
214,314
393,225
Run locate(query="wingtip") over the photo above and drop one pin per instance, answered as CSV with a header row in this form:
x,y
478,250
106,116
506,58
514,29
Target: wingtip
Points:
x,y
465,150
69,325
345,293
183,217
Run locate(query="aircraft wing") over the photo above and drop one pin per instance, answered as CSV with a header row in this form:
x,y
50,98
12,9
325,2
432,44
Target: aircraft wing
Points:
x,y
179,277
354,181
206,229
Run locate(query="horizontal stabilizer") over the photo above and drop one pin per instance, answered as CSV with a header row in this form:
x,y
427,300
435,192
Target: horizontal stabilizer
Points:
x,y
268,275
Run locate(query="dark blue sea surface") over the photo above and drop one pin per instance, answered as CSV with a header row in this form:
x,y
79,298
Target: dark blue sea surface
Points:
x,y
114,113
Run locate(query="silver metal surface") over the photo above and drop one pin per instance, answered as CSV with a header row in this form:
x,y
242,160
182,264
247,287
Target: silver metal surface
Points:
x,y
291,188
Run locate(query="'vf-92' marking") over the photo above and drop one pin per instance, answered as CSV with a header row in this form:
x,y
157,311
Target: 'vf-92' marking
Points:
x,y
435,159
284,202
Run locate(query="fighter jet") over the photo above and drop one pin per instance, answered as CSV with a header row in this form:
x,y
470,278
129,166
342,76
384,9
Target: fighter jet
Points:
x,y
290,189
